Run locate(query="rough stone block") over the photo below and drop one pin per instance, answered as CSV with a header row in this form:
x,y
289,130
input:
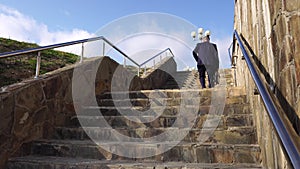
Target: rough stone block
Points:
x,y
7,104
292,5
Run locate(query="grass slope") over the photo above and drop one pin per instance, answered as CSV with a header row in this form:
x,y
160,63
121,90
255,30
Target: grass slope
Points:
x,y
17,68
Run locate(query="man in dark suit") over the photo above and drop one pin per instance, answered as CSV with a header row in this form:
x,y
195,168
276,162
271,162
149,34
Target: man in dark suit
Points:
x,y
206,55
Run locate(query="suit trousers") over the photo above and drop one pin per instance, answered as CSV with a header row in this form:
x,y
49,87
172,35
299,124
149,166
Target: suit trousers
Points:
x,y
202,69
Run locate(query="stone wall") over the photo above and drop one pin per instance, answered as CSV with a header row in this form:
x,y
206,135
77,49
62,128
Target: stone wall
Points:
x,y
271,28
31,109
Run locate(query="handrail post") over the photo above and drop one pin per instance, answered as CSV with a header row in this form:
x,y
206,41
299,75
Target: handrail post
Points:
x,y
139,70
38,65
124,62
82,53
234,61
229,52
103,48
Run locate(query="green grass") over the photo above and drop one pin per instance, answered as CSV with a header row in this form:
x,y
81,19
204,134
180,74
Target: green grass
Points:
x,y
15,69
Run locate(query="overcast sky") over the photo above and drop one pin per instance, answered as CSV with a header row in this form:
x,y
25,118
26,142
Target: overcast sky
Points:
x,y
47,22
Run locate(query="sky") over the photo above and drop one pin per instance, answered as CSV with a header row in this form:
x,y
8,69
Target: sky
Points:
x,y
127,23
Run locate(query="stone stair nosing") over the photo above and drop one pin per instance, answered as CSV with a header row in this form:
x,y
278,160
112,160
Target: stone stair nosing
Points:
x,y
46,162
163,101
188,152
232,135
229,109
174,93
165,121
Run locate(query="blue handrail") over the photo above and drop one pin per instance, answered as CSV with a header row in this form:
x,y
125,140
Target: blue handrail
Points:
x,y
285,136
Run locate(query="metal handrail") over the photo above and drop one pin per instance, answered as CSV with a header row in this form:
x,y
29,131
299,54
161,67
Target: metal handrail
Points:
x,y
285,136
117,49
42,48
168,49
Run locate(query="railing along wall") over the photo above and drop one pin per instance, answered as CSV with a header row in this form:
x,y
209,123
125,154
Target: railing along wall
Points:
x,y
42,48
284,131
233,60
160,55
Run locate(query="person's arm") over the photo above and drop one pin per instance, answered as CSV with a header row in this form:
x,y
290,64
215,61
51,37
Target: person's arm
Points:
x,y
215,46
195,56
195,53
217,56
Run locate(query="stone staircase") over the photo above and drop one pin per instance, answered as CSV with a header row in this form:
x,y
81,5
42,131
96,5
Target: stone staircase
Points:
x,y
176,127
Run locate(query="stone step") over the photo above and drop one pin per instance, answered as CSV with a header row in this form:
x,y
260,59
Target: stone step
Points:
x,y
49,162
186,152
190,80
191,120
229,109
225,74
181,78
176,93
188,84
163,101
232,135
182,75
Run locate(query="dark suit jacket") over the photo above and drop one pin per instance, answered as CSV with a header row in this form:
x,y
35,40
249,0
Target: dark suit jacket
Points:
x,y
206,53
